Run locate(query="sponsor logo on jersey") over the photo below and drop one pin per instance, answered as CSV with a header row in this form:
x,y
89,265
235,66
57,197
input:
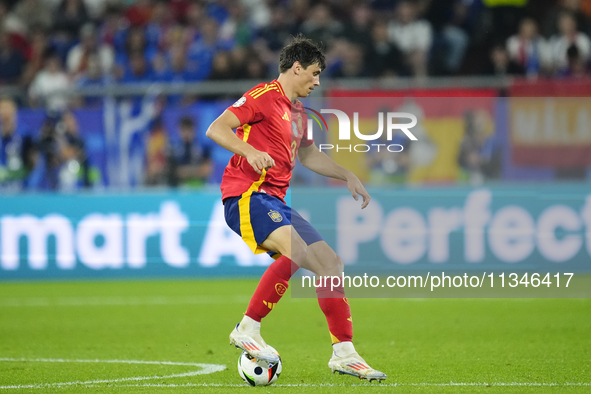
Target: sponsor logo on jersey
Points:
x,y
275,216
280,288
285,116
240,102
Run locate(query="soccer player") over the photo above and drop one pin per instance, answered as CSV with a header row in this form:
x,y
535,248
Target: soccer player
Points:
x,y
270,135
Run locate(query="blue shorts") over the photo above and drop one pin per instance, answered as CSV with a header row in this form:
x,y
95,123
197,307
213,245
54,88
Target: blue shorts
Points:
x,y
255,216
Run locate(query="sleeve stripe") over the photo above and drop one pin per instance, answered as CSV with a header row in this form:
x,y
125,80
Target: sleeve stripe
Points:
x,y
254,91
266,89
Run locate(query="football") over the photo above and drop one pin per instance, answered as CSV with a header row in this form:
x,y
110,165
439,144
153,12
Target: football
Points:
x,y
258,372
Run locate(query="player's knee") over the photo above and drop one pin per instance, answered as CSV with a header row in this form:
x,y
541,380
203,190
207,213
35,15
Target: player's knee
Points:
x,y
299,251
338,265
334,266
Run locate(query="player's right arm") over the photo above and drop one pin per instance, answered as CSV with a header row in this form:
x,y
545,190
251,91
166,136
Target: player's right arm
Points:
x,y
221,131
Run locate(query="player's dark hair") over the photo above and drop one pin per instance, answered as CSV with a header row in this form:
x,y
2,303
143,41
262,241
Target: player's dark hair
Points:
x,y
303,50
187,121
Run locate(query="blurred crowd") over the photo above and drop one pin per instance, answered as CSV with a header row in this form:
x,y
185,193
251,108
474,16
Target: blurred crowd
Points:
x,y
49,45
46,45
56,157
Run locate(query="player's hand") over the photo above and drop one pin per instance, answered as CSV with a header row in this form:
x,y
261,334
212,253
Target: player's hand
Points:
x,y
356,188
260,161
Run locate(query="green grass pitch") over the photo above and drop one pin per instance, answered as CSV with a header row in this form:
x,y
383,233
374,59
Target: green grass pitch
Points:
x,y
49,333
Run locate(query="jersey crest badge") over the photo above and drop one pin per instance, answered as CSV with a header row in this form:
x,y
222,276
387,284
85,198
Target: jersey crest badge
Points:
x,y
240,101
275,216
280,288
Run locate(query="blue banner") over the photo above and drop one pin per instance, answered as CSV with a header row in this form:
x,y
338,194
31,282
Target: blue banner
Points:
x,y
163,234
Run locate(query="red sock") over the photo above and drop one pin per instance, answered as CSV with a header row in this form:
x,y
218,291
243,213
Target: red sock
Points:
x,y
335,307
271,288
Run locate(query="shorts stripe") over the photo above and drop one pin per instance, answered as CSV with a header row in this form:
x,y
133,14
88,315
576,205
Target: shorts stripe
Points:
x,y
246,229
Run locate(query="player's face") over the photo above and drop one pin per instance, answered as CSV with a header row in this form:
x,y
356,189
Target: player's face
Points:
x,y
309,78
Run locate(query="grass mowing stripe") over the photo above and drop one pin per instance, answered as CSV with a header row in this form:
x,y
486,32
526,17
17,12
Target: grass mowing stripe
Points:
x,y
117,301
424,346
61,360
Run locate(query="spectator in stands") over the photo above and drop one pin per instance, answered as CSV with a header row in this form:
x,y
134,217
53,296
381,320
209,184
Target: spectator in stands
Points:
x,y
34,14
157,153
412,36
358,29
159,24
69,18
11,160
39,47
569,35
259,12
11,24
277,33
49,153
34,166
111,28
222,67
190,163
576,66
139,13
480,154
235,29
96,8
321,26
50,85
505,16
352,64
201,53
450,40
528,49
388,167
135,42
138,71
74,169
91,77
78,57
178,64
195,17
384,58
160,68
501,65
551,22
255,69
12,61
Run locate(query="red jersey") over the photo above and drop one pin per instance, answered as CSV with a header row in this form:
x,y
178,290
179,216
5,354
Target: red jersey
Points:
x,y
272,124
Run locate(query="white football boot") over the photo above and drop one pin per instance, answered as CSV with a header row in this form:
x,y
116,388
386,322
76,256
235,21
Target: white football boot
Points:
x,y
247,336
346,360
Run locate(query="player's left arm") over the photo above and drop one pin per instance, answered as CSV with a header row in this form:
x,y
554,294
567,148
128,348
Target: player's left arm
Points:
x,y
312,158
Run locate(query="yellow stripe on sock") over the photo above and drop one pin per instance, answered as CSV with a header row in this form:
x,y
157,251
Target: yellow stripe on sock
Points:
x,y
333,338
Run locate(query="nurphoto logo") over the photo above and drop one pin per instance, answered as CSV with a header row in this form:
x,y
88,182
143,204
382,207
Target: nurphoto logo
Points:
x,y
391,119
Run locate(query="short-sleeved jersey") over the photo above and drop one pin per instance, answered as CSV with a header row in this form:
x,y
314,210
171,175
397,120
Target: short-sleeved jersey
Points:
x,y
272,124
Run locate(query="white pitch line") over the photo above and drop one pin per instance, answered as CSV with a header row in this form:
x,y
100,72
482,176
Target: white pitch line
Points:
x,y
117,301
205,369
359,385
